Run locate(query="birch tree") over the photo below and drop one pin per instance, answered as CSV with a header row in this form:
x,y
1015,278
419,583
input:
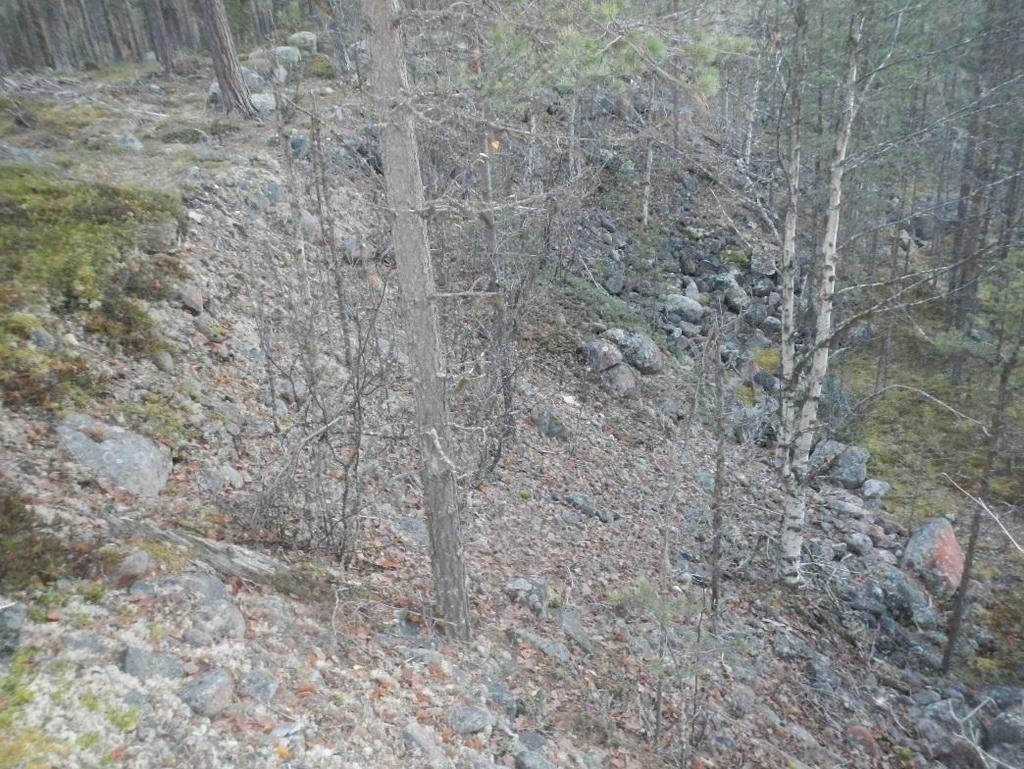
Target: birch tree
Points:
x,y
804,380
403,182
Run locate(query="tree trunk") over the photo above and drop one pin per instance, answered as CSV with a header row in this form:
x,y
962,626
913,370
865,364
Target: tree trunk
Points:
x,y
158,34
788,280
404,184
801,438
234,93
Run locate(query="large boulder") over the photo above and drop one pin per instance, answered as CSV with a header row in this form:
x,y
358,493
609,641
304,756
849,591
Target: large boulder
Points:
x,y
600,355
935,555
304,41
619,380
131,461
639,350
840,463
287,54
679,307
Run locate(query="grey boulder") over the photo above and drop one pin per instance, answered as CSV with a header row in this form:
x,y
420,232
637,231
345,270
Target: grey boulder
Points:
x,y
679,307
131,461
12,618
209,693
840,463
639,350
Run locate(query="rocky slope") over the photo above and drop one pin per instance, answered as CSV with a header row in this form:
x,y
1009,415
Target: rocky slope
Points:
x,y
181,634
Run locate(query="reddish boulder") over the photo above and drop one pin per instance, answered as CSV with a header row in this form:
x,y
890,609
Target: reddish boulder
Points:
x,y
935,555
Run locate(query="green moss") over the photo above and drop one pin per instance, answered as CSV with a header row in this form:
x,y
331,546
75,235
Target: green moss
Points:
x,y
90,702
319,66
61,240
162,418
30,749
175,133
92,592
608,308
170,557
125,322
767,358
51,117
737,256
123,719
88,740
28,556
221,127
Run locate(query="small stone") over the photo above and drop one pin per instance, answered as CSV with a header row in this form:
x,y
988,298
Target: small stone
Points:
x,y
679,307
619,380
471,720
859,543
132,568
875,489
42,340
500,695
12,619
191,296
424,738
554,649
209,693
145,664
549,425
163,360
258,685
130,143
529,759
221,619
863,739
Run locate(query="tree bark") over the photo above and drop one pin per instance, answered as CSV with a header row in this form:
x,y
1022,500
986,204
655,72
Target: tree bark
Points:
x,y
158,34
234,93
788,281
403,182
801,438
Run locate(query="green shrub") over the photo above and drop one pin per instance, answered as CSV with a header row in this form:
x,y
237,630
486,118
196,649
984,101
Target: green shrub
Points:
x,y
320,66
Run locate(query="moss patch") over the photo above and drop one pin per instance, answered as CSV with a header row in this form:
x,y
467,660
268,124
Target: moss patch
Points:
x,y
319,66
767,359
28,556
71,245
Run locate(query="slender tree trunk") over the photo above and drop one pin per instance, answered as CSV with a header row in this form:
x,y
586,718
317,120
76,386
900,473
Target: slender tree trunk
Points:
x,y
802,438
158,34
234,93
788,280
719,489
404,184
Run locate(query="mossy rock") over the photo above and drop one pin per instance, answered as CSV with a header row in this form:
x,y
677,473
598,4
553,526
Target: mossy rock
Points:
x,y
767,358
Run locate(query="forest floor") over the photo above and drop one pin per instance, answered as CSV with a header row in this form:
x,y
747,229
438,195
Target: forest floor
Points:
x,y
595,643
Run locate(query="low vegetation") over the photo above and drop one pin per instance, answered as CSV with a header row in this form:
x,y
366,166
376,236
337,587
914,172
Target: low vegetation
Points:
x,y
71,249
